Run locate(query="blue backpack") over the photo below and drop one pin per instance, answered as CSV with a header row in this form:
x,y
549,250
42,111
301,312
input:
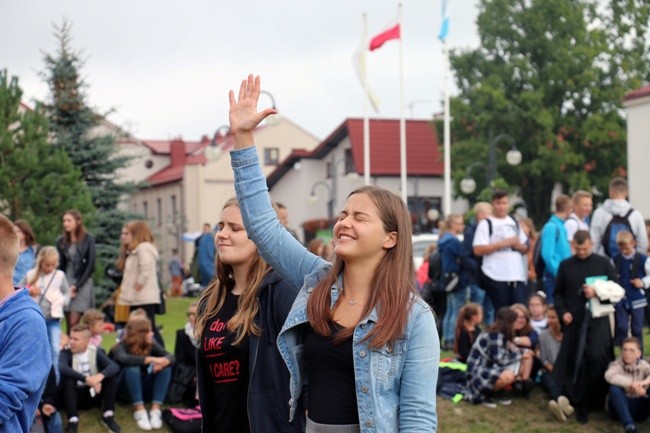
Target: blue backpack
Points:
x,y
616,224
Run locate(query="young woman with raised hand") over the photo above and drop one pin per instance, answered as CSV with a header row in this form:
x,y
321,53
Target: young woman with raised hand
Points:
x,y
77,259
357,334
242,380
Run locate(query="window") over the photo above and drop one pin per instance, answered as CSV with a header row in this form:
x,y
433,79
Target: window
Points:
x,y
174,210
145,209
271,156
159,211
349,162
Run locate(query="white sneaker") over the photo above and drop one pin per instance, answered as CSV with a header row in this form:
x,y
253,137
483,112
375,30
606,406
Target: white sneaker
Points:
x,y
565,405
155,417
142,420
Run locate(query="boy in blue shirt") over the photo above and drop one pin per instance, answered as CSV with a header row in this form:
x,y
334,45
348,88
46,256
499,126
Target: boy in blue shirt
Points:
x,y
634,275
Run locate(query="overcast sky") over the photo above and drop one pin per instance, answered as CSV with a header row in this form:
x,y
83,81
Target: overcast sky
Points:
x,y
166,66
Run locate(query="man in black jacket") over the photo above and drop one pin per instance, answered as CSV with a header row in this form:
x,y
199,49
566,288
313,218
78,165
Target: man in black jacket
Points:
x,y
87,377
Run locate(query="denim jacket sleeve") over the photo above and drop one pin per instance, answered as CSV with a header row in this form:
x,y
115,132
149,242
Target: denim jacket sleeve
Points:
x,y
276,245
417,401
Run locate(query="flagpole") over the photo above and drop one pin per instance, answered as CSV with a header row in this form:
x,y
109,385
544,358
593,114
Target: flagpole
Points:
x,y
402,122
447,141
366,121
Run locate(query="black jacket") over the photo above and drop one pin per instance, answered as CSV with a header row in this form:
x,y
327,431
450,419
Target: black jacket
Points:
x,y
83,262
268,389
104,365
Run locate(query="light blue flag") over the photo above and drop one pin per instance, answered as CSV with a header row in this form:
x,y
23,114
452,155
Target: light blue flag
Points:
x,y
444,28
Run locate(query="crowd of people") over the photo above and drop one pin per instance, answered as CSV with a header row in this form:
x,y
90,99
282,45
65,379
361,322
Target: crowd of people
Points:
x,y
330,338
562,301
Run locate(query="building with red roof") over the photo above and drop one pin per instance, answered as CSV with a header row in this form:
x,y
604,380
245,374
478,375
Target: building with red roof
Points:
x,y
335,168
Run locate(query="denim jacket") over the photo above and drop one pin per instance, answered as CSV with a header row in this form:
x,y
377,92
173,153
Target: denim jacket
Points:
x,y
395,387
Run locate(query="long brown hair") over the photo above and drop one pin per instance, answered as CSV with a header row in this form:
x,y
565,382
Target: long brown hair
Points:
x,y
504,321
393,282
27,231
465,314
79,232
140,232
124,252
521,308
214,296
135,336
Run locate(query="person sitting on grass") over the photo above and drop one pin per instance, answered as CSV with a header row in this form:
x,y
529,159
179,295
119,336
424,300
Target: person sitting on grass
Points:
x,y
537,309
525,338
550,341
495,362
146,371
468,329
629,381
88,376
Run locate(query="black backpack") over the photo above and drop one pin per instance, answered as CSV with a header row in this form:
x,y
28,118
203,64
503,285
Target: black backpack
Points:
x,y
435,267
617,224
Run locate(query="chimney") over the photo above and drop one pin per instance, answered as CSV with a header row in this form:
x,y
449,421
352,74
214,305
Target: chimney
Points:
x,y
177,152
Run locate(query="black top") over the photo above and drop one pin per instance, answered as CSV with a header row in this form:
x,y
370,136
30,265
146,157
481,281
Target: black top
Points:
x,y
465,341
332,397
227,374
184,351
571,275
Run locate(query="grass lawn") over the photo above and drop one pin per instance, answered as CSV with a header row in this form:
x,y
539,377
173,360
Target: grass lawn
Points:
x,y
522,416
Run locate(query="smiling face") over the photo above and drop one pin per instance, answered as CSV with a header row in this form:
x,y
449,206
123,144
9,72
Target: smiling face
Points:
x,y
233,246
553,320
359,231
521,321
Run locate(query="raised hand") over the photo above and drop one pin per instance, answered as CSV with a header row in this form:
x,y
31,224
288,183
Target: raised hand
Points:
x,y
243,114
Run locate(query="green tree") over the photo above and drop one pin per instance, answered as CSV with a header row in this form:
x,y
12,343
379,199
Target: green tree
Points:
x,y
38,182
74,126
552,74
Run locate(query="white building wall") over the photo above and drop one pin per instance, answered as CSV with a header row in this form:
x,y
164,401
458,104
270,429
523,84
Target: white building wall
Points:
x,y
638,145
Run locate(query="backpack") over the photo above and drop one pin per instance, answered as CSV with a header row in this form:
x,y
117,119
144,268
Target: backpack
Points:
x,y
182,420
616,224
489,223
435,267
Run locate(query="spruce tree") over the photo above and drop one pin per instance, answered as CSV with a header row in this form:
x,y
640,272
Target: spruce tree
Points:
x,y
38,182
73,124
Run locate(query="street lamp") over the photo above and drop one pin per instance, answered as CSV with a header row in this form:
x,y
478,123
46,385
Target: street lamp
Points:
x,y
513,156
273,119
468,184
213,151
330,198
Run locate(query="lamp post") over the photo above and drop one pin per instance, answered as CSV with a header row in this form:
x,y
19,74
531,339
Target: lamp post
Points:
x,y
513,156
213,151
330,197
468,184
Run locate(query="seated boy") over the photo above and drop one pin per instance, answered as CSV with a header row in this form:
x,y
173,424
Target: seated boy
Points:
x,y
87,376
629,378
